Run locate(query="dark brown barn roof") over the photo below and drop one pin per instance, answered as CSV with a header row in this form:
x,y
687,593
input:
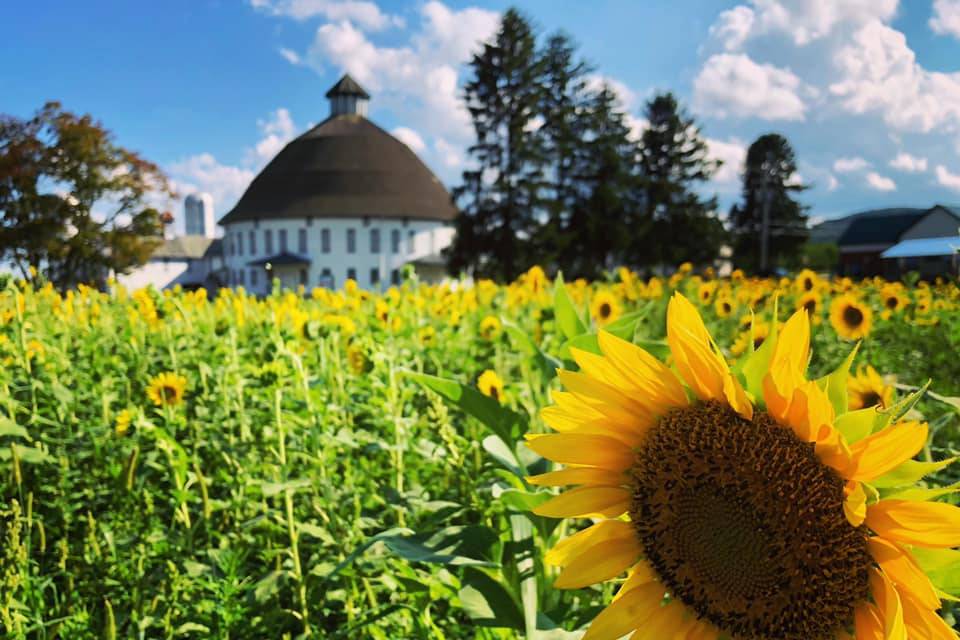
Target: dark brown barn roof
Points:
x,y
345,167
347,86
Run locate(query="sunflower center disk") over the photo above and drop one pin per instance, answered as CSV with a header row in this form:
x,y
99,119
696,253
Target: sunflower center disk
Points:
x,y
852,316
745,525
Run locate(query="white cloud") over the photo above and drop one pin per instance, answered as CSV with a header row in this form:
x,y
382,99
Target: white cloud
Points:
x,y
626,95
848,165
911,164
410,138
290,55
832,182
947,179
276,131
202,172
879,72
420,80
365,14
449,154
880,183
946,17
808,20
733,27
224,182
732,152
733,85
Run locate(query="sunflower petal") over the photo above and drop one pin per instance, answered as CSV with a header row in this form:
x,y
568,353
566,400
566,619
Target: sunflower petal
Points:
x,y
641,574
922,622
639,365
602,561
586,449
627,613
868,623
855,503
886,450
698,359
609,502
663,625
578,475
925,524
897,563
569,548
888,603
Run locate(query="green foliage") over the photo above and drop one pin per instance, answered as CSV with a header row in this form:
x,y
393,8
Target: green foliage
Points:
x,y
73,202
769,175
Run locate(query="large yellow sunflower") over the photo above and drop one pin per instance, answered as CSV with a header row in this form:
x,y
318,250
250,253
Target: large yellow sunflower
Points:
x,y
166,389
737,502
851,319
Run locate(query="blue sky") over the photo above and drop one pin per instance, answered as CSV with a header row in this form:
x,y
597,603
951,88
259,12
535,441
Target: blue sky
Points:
x,y
868,91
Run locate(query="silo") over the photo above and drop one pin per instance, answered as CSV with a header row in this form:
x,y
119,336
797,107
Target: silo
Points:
x,y
198,209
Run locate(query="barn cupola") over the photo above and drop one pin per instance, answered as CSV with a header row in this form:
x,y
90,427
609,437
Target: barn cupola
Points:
x,y
347,98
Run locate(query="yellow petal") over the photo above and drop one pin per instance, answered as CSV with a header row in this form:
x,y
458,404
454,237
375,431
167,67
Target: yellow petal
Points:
x,y
903,570
578,475
888,603
585,449
639,575
569,548
602,561
663,624
925,524
855,503
925,623
627,613
868,623
608,502
787,365
647,371
887,449
605,399
698,359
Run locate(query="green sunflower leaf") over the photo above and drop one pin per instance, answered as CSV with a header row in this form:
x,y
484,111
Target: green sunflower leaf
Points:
x,y
910,472
835,383
487,602
755,366
942,566
856,425
922,494
568,321
900,409
502,421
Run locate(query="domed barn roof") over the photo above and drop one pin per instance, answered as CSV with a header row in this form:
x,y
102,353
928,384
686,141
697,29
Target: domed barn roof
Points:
x,y
345,167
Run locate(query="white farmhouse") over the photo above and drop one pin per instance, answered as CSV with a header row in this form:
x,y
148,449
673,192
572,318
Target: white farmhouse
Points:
x,y
344,200
191,261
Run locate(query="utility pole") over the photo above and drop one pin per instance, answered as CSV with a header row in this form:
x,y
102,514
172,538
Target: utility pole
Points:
x,y
765,223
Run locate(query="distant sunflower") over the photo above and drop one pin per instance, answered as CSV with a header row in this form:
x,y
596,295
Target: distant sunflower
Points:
x,y
122,424
167,389
427,335
724,306
705,292
867,389
604,308
730,519
851,319
754,335
490,328
893,299
812,303
806,280
491,385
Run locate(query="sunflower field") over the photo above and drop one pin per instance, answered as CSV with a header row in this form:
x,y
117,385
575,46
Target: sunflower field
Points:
x,y
348,464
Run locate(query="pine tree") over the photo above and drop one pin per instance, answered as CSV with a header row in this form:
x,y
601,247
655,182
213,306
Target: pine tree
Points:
x,y
606,212
500,197
674,160
770,171
563,108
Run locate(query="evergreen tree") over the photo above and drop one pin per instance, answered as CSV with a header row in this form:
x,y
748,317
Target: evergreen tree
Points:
x,y
606,212
563,107
674,160
500,198
769,172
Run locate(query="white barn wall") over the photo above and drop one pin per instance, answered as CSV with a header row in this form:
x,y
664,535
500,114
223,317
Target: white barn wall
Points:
x,y
159,273
429,237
